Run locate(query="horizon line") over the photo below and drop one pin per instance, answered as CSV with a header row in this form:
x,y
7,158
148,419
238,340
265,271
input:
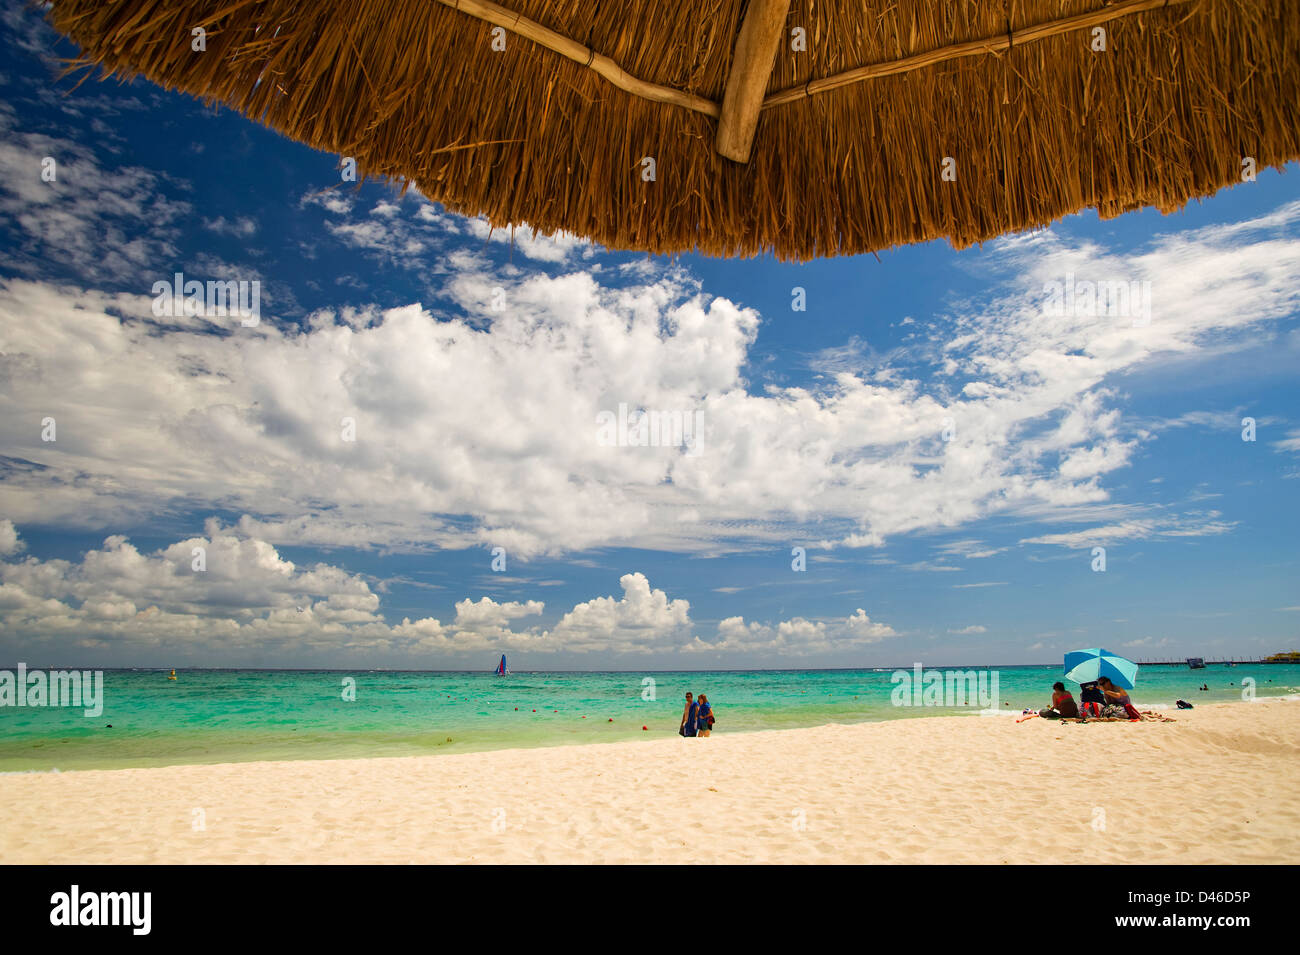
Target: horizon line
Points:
x,y
850,669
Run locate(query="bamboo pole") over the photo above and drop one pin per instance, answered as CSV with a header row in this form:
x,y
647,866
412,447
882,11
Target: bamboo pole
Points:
x,y
572,49
751,71
995,44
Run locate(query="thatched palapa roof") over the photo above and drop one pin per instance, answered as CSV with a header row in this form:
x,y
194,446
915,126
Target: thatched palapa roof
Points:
x,y
800,127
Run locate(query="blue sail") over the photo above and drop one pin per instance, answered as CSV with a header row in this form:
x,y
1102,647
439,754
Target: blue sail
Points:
x,y
501,667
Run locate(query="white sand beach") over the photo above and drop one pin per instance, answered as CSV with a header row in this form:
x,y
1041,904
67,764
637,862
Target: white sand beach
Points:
x,y
1219,785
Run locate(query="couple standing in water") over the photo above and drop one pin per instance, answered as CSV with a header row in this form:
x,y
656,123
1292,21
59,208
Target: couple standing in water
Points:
x,y
697,718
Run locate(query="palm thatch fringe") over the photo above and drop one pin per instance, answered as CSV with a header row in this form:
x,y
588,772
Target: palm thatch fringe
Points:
x,y
1182,96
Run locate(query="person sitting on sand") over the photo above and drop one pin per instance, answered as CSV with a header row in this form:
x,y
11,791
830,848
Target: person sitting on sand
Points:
x,y
688,717
1063,705
1114,694
704,717
1118,704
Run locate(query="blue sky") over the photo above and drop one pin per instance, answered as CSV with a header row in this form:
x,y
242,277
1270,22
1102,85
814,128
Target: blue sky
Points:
x,y
946,447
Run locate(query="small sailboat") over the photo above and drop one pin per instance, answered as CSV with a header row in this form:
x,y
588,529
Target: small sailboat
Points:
x,y
502,669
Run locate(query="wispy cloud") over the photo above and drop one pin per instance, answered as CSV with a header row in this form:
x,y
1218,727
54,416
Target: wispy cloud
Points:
x,y
1199,525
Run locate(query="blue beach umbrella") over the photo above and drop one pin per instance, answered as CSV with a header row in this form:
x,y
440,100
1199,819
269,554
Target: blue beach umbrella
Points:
x,y
1086,666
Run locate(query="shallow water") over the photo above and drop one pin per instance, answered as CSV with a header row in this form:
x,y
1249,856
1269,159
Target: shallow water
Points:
x,y
208,716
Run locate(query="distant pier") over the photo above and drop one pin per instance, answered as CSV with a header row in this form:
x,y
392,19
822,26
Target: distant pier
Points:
x,y
1210,663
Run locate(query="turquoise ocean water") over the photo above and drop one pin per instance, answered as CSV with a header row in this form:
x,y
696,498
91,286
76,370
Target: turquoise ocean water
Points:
x,y
209,716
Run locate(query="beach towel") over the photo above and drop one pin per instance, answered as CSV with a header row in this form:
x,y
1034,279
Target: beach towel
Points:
x,y
689,727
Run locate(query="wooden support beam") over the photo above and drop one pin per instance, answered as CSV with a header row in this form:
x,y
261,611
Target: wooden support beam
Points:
x,y
751,71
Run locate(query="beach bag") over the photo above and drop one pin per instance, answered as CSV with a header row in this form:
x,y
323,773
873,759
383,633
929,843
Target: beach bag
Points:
x,y
1184,705
1132,711
1090,709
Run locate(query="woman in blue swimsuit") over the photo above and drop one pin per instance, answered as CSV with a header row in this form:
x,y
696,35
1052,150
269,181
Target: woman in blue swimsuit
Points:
x,y
704,717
